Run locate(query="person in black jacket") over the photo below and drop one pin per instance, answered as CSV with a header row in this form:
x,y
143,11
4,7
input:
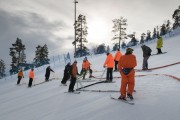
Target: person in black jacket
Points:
x,y
47,75
66,74
146,54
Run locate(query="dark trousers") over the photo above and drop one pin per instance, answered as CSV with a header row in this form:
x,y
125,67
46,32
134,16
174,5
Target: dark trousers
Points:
x,y
30,82
65,78
159,50
90,72
72,83
116,63
109,75
83,72
19,79
47,78
145,62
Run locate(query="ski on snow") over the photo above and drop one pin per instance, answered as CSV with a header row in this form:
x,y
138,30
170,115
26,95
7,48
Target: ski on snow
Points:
x,y
75,92
125,101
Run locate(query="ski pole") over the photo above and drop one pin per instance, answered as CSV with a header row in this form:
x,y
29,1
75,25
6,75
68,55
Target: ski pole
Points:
x,y
103,73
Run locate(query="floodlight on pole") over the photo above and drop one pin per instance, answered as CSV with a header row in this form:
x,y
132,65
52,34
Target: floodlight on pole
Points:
x,y
75,2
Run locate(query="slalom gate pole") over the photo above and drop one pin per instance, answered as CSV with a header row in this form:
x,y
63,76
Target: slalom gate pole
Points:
x,y
77,81
34,81
23,80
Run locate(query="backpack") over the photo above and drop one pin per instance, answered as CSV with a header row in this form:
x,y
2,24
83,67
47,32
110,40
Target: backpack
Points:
x,y
148,50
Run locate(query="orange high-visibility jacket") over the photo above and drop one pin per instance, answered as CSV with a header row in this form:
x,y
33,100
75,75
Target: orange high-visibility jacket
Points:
x,y
74,70
117,56
109,63
31,74
127,61
20,74
86,64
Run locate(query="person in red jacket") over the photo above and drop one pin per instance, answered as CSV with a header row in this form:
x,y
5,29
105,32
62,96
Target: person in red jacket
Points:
x,y
31,77
126,67
116,59
109,63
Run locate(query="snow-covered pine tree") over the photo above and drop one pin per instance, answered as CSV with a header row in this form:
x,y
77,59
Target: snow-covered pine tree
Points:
x,y
41,56
119,30
163,30
81,33
148,37
18,56
2,69
154,34
176,17
142,38
101,49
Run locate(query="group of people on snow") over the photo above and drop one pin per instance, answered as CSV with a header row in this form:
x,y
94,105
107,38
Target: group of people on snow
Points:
x,y
125,64
71,72
31,75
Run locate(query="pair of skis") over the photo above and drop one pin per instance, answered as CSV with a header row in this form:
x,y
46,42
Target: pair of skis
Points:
x,y
130,102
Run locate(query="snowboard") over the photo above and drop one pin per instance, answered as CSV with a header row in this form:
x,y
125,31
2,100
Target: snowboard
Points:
x,y
130,102
159,53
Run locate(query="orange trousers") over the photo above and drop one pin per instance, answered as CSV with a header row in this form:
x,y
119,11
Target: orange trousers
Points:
x,y
127,81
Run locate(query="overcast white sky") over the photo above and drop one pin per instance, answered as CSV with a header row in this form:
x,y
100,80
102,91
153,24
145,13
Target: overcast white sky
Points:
x,y
39,22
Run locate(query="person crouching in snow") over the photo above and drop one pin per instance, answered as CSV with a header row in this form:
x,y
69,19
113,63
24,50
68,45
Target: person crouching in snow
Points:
x,y
109,63
31,77
66,74
85,67
126,66
74,73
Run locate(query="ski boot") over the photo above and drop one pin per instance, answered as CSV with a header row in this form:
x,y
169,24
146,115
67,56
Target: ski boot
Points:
x,y
130,96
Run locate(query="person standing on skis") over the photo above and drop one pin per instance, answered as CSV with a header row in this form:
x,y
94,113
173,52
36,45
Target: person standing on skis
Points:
x,y
20,75
74,73
109,63
116,59
66,74
47,75
31,77
159,45
126,67
146,54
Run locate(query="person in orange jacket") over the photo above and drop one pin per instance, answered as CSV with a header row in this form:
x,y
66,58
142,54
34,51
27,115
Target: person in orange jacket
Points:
x,y
73,73
20,75
31,77
116,59
109,63
126,67
85,67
